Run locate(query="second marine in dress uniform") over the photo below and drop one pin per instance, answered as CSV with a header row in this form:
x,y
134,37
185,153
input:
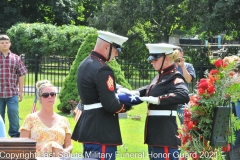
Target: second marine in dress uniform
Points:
x,y
166,91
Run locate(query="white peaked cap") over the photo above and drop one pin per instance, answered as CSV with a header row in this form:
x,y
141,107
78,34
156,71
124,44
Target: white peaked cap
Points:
x,y
111,37
158,48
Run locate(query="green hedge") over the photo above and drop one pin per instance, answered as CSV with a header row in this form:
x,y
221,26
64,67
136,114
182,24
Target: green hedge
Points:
x,y
47,39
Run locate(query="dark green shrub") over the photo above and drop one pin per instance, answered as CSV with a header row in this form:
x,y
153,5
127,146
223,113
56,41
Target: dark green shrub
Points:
x,y
69,89
118,74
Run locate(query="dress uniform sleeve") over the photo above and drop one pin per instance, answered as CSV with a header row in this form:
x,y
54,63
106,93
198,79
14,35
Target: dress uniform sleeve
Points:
x,y
143,90
177,92
105,84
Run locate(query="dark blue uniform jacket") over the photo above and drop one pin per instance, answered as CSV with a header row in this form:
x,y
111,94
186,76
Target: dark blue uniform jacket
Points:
x,y
96,84
169,85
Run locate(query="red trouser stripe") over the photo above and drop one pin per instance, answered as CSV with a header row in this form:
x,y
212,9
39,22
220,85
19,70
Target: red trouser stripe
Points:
x,y
166,151
103,151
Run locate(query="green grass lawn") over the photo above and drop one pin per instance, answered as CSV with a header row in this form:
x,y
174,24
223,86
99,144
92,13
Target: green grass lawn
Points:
x,y
132,130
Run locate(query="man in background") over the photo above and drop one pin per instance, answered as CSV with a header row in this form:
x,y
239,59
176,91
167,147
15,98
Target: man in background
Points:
x,y
188,73
12,71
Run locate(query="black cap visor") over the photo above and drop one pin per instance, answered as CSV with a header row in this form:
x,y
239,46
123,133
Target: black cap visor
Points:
x,y
118,47
155,56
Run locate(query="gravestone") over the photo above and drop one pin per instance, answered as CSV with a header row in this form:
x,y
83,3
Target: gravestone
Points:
x,y
122,115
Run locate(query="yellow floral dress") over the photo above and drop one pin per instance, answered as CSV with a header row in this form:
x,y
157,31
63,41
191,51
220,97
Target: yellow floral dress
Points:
x,y
46,137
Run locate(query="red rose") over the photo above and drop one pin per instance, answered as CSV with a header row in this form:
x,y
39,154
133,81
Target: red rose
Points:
x,y
201,91
218,63
224,65
211,78
194,99
211,90
214,71
190,125
187,114
226,148
203,83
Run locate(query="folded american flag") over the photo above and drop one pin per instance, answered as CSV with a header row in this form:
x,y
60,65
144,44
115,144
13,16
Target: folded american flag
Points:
x,y
128,99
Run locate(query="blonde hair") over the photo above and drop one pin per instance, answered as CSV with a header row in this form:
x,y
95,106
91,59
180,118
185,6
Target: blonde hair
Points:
x,y
174,55
40,85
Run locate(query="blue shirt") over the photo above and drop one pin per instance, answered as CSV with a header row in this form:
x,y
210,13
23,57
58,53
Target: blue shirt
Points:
x,y
189,68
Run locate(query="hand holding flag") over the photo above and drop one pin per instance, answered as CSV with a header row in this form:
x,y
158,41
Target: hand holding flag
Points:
x,y
128,99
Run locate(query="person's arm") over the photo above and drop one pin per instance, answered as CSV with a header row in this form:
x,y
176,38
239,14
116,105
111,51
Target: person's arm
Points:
x,y
188,71
25,130
21,84
186,75
24,134
67,147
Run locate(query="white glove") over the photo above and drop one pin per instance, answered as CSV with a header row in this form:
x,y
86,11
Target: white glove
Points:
x,y
150,99
127,91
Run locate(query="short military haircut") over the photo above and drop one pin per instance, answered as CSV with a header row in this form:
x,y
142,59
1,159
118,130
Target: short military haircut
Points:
x,y
4,37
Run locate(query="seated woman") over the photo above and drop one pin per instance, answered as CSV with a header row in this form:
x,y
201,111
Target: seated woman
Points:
x,y
50,130
2,128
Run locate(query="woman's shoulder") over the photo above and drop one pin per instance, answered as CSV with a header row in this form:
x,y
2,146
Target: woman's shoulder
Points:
x,y
62,118
31,118
63,121
32,115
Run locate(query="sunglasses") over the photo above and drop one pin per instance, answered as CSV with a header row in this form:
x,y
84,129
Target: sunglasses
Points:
x,y
117,47
46,94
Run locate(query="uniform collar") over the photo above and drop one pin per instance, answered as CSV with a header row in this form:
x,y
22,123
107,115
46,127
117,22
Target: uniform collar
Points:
x,y
171,68
98,55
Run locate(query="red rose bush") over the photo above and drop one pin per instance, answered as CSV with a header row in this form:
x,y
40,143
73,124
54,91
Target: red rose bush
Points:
x,y
195,132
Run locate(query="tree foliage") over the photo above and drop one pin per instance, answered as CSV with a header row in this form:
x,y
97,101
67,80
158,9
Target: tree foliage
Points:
x,y
121,16
142,22
57,12
204,17
211,17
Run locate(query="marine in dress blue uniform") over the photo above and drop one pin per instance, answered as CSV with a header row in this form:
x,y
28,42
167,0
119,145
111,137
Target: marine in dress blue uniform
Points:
x,y
98,126
170,89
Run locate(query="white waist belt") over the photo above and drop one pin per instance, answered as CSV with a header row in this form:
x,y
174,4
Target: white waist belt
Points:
x,y
92,106
161,113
